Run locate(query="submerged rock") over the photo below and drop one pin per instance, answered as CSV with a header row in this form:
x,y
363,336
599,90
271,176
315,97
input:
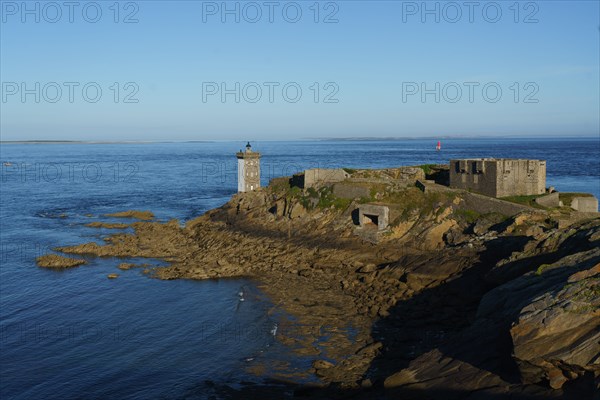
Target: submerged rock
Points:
x,y
97,224
141,215
126,266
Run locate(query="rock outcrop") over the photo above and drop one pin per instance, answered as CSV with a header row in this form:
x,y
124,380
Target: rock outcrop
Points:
x,y
448,301
56,261
136,214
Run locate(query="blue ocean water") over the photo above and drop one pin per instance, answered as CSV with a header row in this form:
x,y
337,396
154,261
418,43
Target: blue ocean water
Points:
x,y
76,334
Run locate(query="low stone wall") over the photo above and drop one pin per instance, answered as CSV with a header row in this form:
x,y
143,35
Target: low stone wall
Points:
x,y
279,181
316,176
390,174
485,205
349,191
429,186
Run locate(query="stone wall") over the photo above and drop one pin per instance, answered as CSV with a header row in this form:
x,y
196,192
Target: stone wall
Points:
x,y
486,205
521,177
321,176
429,186
499,177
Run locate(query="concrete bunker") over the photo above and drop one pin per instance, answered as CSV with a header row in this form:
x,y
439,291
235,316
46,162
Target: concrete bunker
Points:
x,y
501,177
585,204
373,216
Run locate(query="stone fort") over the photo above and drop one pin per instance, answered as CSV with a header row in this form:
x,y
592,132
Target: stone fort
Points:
x,y
499,177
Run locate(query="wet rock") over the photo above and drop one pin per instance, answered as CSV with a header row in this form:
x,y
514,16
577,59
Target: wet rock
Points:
x,y
112,276
141,215
56,261
97,224
371,349
322,364
322,367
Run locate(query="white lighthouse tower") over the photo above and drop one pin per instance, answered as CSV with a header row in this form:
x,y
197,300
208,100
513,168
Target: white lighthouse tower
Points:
x,y
248,169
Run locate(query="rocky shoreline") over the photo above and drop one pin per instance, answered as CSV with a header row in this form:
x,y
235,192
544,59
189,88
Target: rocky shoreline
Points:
x,y
443,305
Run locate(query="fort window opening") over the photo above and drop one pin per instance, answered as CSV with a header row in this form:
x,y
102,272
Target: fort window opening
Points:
x,y
370,220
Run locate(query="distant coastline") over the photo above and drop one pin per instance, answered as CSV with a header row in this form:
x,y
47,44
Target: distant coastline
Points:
x,y
450,137
315,139
99,141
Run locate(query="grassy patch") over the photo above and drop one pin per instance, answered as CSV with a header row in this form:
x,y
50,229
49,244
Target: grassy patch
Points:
x,y
469,216
591,293
295,191
413,202
589,297
279,185
540,270
525,200
349,170
428,168
327,199
322,198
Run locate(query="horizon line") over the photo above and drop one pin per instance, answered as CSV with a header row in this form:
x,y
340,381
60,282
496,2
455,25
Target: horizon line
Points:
x,y
323,138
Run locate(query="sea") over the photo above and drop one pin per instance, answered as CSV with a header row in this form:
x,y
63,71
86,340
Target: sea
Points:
x,y
75,334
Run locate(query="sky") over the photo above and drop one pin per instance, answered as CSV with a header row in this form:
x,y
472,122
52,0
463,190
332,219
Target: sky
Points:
x,y
270,70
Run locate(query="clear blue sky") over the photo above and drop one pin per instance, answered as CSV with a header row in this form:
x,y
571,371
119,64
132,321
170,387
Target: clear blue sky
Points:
x,y
373,55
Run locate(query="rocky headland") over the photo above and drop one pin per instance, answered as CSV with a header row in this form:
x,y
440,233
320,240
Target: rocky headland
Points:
x,y
450,301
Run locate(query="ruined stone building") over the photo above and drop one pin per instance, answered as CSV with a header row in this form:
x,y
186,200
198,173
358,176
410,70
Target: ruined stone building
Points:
x,y
248,169
499,177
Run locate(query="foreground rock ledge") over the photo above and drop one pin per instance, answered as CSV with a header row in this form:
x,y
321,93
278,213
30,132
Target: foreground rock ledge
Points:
x,y
442,303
